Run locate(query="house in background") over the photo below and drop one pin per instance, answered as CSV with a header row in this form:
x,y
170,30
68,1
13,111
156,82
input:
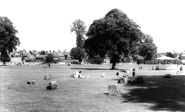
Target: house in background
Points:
x,y
15,54
61,56
40,58
30,58
66,55
16,60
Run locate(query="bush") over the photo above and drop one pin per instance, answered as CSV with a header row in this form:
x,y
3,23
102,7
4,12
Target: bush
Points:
x,y
49,58
77,53
74,62
95,60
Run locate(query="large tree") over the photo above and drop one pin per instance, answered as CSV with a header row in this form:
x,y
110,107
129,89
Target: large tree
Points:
x,y
78,52
147,47
115,35
8,38
78,26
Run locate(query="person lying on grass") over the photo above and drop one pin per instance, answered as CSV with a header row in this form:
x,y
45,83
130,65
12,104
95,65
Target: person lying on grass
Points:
x,y
77,74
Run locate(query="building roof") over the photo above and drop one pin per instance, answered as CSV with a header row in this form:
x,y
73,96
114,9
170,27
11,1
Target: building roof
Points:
x,y
25,53
60,54
31,57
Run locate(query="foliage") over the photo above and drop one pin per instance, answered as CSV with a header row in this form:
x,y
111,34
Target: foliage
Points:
x,y
78,26
95,60
169,54
8,38
4,56
147,47
115,35
31,52
49,58
42,52
77,53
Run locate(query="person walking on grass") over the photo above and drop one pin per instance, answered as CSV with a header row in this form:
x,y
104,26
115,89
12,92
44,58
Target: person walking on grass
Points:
x,y
181,69
69,64
133,73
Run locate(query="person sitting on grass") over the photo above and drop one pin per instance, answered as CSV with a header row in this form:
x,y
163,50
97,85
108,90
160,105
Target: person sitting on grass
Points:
x,y
80,76
77,74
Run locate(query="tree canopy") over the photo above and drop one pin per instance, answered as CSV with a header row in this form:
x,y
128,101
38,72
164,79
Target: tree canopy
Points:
x,y
77,53
169,54
42,52
147,47
115,35
8,38
49,59
78,26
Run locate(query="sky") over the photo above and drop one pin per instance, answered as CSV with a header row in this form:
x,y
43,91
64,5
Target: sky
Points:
x,y
46,24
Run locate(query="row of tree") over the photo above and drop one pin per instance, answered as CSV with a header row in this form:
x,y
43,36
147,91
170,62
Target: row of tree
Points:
x,y
115,36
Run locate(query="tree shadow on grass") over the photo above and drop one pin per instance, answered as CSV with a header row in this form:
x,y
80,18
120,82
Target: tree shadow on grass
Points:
x,y
165,93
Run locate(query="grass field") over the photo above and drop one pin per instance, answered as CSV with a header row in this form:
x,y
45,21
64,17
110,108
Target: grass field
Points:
x,y
88,95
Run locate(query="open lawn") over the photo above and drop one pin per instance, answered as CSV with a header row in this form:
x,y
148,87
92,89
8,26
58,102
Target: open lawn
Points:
x,y
89,95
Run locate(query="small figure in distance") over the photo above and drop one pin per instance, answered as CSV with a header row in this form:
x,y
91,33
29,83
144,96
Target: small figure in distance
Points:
x,y
181,69
69,64
133,73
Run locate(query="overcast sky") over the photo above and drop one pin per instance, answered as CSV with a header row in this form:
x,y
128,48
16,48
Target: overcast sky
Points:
x,y
45,24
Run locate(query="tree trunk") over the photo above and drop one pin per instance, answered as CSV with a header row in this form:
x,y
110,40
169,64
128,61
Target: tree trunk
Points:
x,y
80,61
4,62
113,66
49,64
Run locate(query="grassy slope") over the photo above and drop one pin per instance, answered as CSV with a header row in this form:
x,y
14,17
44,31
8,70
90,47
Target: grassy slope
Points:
x,y
84,95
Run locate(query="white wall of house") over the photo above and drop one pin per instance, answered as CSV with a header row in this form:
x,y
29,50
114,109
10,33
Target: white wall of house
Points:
x,y
16,60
